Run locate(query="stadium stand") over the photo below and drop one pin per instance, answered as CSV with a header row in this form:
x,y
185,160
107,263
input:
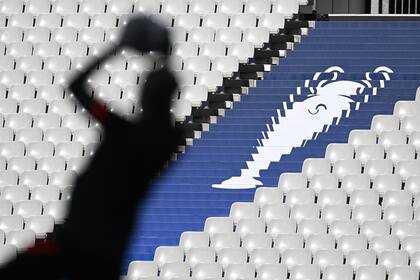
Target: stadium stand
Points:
x,y
343,201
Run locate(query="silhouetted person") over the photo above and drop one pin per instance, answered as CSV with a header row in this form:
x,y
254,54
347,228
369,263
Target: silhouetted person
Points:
x,y
94,237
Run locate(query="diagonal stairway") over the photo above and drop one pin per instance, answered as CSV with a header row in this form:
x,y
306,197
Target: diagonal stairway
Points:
x,y
183,197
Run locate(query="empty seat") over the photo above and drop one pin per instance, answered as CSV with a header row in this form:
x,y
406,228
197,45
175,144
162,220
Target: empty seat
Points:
x,y
272,272
315,166
27,208
244,21
239,271
11,78
381,123
371,272
41,225
258,7
243,51
305,209
413,185
394,214
7,254
33,178
187,21
51,164
21,164
22,239
216,21
11,34
147,6
404,272
408,168
6,207
197,64
273,22
195,94
274,211
286,7
375,168
196,256
324,182
403,152
384,243
336,152
201,35
415,140
220,241
75,121
6,135
362,137
8,106
385,183
168,254
212,80
77,21
11,223
12,149
57,210
45,193
265,196
294,257
142,269
45,49
65,7
62,179
278,227
326,258
174,270
331,213
19,49
247,226
48,20
229,35
181,109
347,167
257,36
227,65
391,259
38,6
397,198
243,210
260,257
190,240
404,109
175,7
308,271
285,242
8,178
369,152
92,7
202,7
410,124
230,7
207,271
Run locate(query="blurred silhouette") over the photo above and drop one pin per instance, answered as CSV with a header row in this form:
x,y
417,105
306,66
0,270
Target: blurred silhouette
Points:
x,y
93,239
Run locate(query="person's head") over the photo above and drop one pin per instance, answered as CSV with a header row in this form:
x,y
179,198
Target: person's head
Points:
x,y
158,92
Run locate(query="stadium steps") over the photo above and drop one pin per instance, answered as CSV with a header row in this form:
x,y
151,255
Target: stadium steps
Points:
x,y
357,47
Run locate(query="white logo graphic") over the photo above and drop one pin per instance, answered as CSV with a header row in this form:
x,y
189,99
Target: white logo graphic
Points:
x,y
315,114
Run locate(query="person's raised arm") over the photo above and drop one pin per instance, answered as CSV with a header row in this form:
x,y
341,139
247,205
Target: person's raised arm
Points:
x,y
141,34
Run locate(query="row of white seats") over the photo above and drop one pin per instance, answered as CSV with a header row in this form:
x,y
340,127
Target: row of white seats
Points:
x,y
25,211
373,168
55,136
145,270
102,22
38,150
169,7
21,56
222,66
289,256
69,36
60,179
349,183
52,164
43,194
